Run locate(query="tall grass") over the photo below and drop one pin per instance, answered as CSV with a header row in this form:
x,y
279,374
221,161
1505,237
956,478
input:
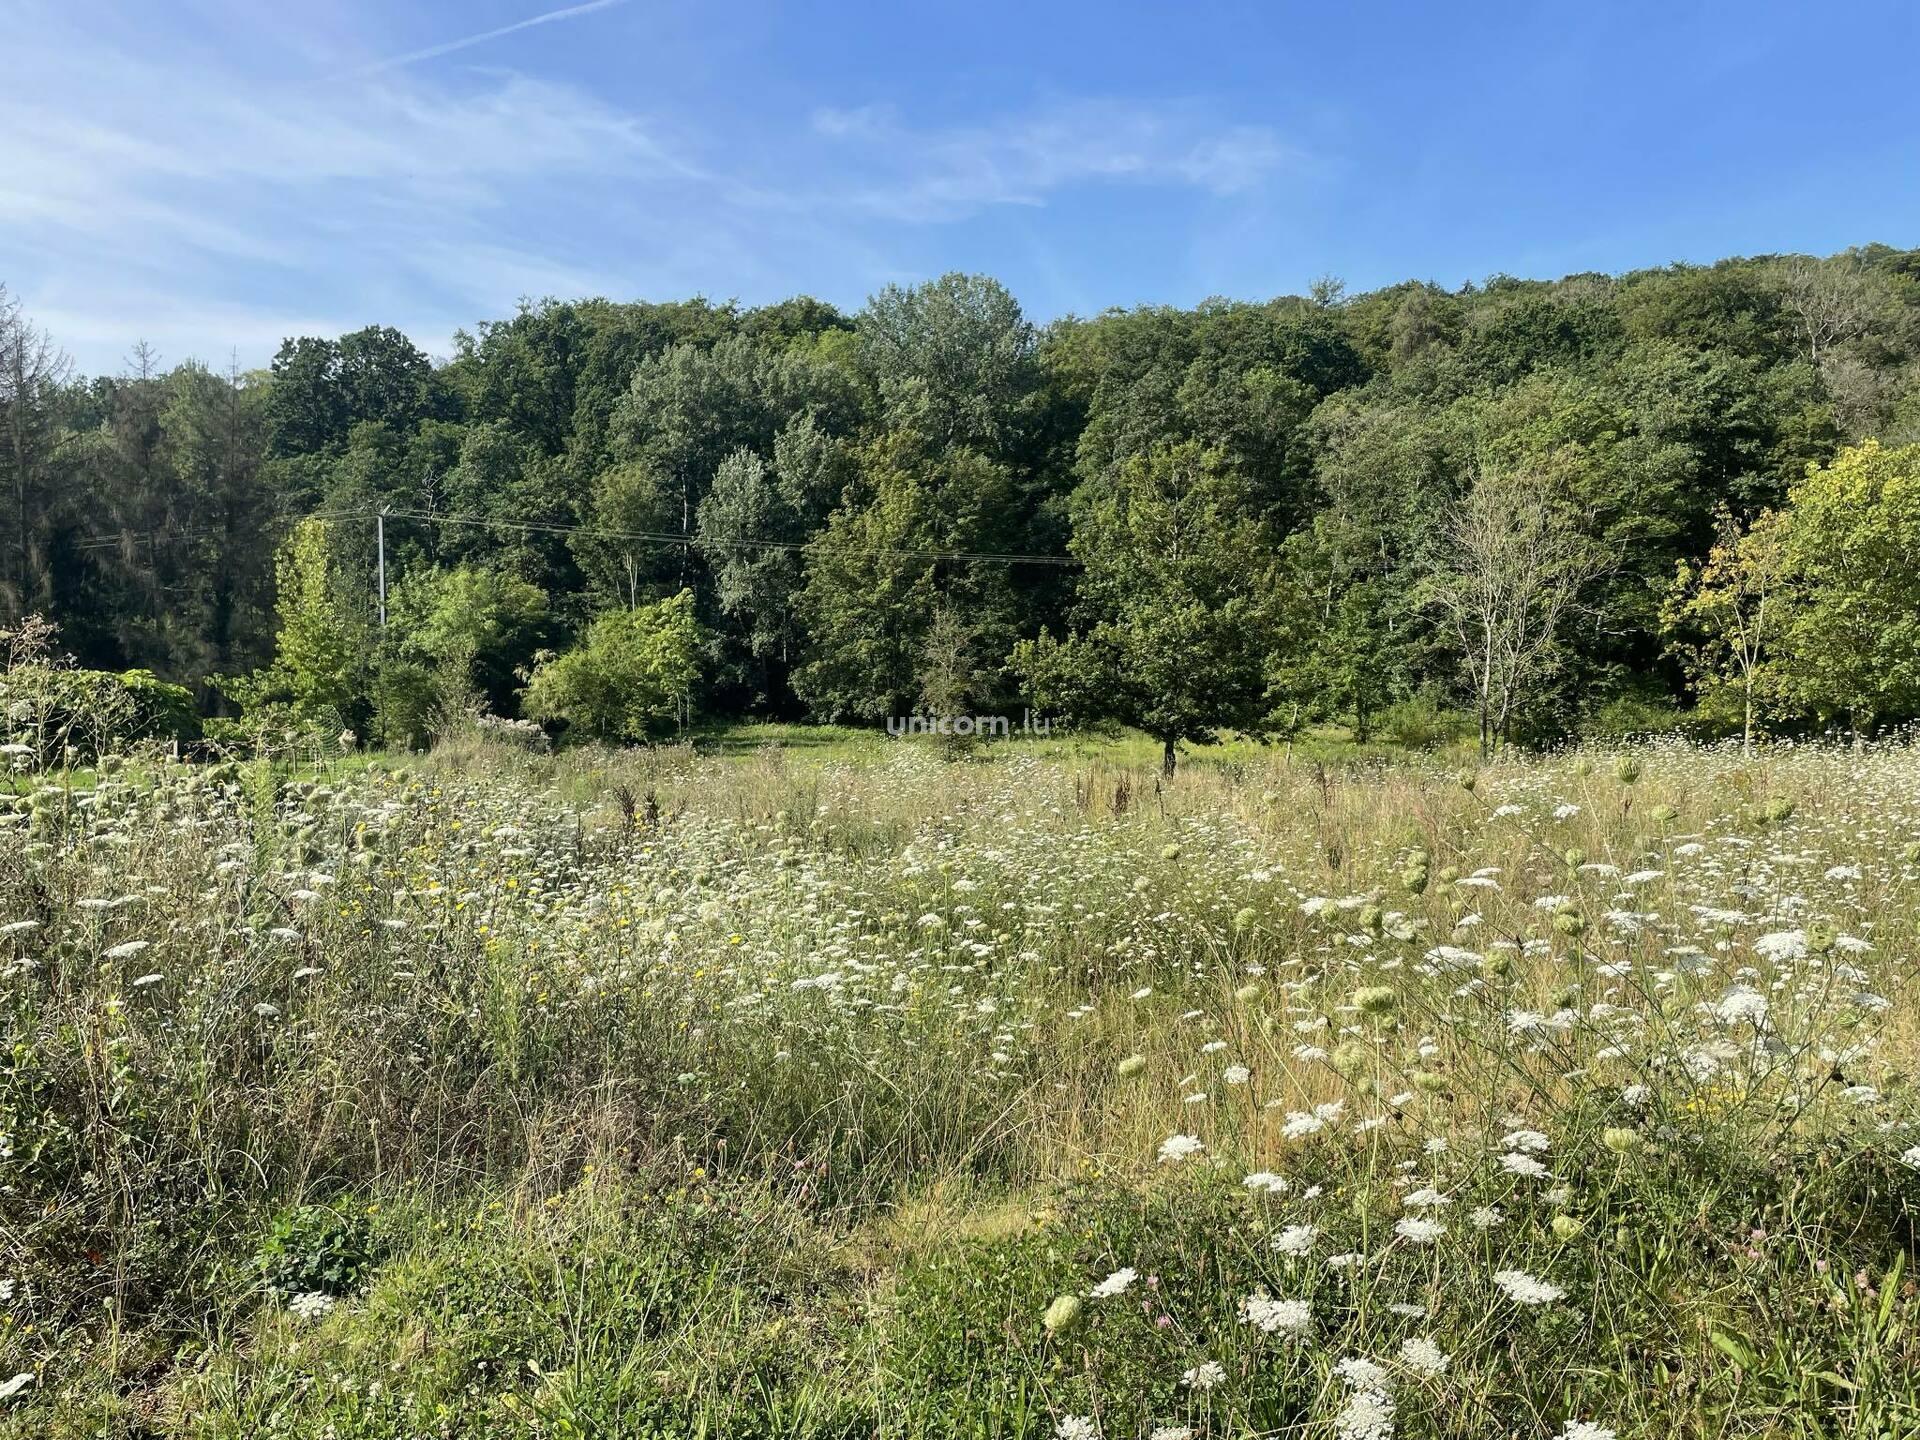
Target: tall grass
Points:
x,y
784,1091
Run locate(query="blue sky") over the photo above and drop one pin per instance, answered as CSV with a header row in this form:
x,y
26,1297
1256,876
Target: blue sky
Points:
x,y
210,176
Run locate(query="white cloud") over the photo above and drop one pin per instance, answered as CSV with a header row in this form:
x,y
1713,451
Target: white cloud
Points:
x,y
228,179
946,174
130,183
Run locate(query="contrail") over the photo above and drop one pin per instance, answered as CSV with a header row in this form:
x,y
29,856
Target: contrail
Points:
x,y
569,13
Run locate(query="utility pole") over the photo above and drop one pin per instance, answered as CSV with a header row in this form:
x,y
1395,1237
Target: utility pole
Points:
x,y
380,540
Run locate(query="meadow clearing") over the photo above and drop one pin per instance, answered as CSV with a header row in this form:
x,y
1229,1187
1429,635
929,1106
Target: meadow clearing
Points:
x,y
852,1090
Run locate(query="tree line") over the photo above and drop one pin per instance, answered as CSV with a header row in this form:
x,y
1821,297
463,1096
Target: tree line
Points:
x,y
1675,497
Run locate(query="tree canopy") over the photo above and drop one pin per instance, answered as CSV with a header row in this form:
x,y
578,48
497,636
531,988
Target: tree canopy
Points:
x,y
1239,516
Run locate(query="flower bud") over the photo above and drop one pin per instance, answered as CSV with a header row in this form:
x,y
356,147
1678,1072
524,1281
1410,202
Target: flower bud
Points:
x,y
1063,1314
1376,999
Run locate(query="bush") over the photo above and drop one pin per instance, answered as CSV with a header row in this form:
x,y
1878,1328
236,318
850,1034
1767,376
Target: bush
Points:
x,y
627,679
1632,716
1422,722
522,734
90,712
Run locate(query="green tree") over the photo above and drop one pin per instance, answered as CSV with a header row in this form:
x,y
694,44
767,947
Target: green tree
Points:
x,y
1725,616
626,504
631,676
323,388
33,370
1851,641
320,665
453,643
690,407
754,524
952,360
878,574
1341,650
1171,629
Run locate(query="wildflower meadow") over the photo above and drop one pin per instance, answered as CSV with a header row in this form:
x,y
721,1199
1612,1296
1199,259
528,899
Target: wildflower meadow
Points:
x,y
867,1091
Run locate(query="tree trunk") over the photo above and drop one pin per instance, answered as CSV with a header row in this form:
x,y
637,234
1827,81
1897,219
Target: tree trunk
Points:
x,y
1166,757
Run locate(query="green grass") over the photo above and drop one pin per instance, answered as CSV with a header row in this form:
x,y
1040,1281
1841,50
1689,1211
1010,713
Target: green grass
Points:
x,y
785,1084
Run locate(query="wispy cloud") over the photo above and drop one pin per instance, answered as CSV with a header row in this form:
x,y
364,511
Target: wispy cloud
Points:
x,y
422,196
570,12
149,178
924,175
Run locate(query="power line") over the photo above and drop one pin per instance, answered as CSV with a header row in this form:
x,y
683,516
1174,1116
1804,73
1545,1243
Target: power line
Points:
x,y
677,537
650,537
114,542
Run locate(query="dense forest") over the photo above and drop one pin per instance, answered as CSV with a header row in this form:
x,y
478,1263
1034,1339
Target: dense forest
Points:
x,y
1607,503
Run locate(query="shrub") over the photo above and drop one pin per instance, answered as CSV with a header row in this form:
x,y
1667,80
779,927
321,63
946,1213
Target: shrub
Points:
x,y
1422,722
89,712
523,734
628,677
1634,716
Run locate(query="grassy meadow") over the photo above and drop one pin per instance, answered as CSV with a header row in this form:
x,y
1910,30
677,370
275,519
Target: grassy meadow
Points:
x,y
841,1088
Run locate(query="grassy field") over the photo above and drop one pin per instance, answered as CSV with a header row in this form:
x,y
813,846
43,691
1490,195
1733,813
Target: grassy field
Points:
x,y
837,1088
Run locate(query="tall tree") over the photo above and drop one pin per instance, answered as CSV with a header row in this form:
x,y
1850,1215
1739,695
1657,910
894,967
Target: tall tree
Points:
x,y
952,360
320,667
1851,641
32,372
754,525
1172,629
920,526
1727,612
1507,577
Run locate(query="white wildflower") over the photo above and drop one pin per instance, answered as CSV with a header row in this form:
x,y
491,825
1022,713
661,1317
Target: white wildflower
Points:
x,y
1296,1239
1205,1375
310,1304
1176,1148
1367,1415
1423,1355
1363,1374
1518,1164
1524,1289
1276,1317
1115,1284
